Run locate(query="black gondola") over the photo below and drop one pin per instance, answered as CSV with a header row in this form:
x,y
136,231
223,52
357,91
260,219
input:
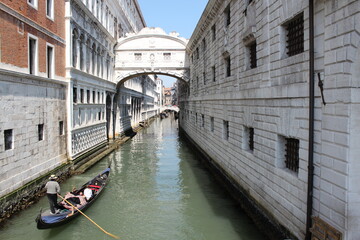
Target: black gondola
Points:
x,y
48,220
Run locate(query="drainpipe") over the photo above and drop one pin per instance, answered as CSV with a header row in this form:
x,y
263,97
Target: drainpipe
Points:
x,y
311,122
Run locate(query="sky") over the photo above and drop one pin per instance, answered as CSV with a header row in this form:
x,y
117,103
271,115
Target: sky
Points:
x,y
173,15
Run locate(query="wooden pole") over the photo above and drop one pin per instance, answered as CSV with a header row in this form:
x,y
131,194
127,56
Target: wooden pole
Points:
x,y
111,235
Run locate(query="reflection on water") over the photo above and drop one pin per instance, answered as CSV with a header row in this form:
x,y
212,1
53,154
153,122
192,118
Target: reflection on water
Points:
x,y
157,190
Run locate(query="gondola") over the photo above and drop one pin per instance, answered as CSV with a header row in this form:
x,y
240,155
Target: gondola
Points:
x,y
48,220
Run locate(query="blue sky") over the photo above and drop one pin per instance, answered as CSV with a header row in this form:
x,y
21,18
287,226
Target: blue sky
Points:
x,y
173,15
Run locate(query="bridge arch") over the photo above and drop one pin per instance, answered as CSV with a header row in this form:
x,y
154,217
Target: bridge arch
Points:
x,y
151,51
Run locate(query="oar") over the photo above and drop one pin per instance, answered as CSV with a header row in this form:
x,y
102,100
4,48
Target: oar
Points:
x,y
111,235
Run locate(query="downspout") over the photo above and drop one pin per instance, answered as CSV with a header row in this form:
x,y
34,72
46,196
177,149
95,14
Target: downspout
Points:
x,y
311,122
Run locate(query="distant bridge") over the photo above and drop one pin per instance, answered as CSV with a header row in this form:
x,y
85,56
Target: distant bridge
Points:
x,y
172,108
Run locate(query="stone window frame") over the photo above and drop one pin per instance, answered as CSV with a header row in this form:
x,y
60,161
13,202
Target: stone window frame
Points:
x,y
248,138
251,52
50,70
167,56
41,132
8,139
50,9
138,56
287,153
227,16
33,54
61,128
33,3
284,41
227,64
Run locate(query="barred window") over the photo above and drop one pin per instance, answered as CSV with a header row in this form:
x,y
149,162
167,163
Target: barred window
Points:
x,y
295,35
228,66
41,132
227,16
8,139
167,56
248,139
292,154
252,52
138,56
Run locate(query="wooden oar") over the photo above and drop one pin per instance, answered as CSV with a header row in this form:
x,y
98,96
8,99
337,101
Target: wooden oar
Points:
x,y
111,235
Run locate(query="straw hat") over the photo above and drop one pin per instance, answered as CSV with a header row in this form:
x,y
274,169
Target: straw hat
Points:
x,y
52,177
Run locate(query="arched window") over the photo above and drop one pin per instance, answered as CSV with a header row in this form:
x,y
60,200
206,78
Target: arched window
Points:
x,y
93,57
82,53
98,61
74,47
88,55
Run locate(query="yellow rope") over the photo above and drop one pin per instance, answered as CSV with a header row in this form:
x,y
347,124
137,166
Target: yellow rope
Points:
x,y
111,235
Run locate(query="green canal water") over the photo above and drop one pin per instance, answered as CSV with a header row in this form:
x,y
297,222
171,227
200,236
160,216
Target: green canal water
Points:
x,y
158,190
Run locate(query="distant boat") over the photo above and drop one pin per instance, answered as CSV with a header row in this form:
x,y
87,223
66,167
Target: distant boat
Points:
x,y
48,220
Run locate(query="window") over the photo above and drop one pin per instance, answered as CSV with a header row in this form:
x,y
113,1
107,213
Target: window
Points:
x,y
202,120
213,73
74,95
204,45
287,153
87,96
41,132
295,35
227,67
213,32
61,128
248,139
8,139
50,61
292,154
138,56
33,55
197,53
212,124
33,3
252,55
93,97
50,9
226,130
167,56
82,95
227,16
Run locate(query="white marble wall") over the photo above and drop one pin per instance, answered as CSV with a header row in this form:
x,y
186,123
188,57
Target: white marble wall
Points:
x,y
25,102
273,99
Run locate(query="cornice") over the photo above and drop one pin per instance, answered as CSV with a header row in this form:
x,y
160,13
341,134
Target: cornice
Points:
x,y
209,14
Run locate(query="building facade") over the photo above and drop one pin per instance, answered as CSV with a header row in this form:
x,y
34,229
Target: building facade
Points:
x,y
32,90
59,94
249,90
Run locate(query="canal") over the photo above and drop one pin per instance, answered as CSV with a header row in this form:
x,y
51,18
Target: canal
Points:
x,y
158,190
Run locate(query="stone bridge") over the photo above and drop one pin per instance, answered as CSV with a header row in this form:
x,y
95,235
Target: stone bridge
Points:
x,y
151,51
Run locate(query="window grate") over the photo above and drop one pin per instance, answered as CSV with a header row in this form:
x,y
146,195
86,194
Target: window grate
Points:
x,y
295,35
251,139
253,59
8,139
292,154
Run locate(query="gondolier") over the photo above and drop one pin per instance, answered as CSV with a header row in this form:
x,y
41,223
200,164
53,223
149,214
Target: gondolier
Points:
x,y
52,189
